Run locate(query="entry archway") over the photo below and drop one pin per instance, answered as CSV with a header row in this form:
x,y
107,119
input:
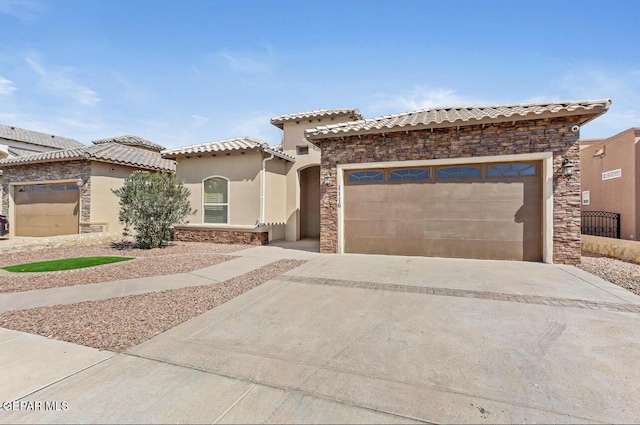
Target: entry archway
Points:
x,y
310,202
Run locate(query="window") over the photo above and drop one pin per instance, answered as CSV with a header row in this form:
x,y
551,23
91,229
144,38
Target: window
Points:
x,y
463,172
215,205
512,169
24,189
56,187
40,188
302,150
409,174
365,176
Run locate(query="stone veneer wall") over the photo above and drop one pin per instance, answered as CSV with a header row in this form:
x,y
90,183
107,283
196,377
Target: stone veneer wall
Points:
x,y
53,171
187,234
544,135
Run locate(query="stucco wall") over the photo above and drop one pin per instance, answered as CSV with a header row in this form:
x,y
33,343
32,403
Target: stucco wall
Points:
x,y
616,248
67,171
275,195
104,204
293,137
534,136
243,172
619,195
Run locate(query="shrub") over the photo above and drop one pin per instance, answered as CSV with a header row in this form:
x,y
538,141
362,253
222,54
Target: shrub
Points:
x,y
153,203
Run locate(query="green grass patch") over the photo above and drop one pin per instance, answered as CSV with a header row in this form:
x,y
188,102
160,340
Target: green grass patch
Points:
x,y
64,264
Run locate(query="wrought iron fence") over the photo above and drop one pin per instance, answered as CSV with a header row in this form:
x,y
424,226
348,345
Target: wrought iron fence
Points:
x,y
601,223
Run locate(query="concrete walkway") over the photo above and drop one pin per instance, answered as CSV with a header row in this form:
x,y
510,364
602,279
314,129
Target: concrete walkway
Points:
x,y
358,339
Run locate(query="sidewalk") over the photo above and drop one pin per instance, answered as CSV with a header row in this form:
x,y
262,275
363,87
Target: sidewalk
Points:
x,y
249,259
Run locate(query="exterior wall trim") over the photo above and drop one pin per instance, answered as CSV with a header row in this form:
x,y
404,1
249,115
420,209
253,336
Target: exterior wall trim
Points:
x,y
547,176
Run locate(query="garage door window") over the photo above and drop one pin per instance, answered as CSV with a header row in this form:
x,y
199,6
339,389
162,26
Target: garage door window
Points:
x,y
512,170
464,172
42,188
409,174
368,176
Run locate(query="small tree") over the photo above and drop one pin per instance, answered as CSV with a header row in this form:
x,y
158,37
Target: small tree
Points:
x,y
153,203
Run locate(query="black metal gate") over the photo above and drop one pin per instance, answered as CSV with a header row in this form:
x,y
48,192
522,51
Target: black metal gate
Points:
x,y
601,223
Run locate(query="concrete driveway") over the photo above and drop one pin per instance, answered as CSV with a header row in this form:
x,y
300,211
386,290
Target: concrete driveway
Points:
x,y
356,338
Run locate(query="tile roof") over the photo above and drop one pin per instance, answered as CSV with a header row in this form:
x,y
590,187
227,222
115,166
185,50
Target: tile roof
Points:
x,y
113,153
460,115
20,151
36,138
352,113
131,141
228,145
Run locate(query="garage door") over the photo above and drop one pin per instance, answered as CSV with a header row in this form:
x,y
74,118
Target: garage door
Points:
x,y
46,210
486,211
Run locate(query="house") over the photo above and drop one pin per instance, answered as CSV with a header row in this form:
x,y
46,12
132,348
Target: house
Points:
x,y
69,191
610,169
245,191
489,182
16,141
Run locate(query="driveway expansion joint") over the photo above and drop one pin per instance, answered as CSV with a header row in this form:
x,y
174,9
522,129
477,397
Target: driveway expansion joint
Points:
x,y
465,293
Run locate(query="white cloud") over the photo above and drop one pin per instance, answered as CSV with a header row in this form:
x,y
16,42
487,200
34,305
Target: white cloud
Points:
x,y
420,97
35,66
21,9
247,63
6,86
57,80
199,118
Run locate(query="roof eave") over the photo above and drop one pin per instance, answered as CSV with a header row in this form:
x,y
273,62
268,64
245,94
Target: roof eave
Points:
x,y
282,121
589,114
278,154
44,161
132,165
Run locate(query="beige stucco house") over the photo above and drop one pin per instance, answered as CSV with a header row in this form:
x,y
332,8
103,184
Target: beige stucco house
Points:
x,y
489,182
248,192
610,172
69,191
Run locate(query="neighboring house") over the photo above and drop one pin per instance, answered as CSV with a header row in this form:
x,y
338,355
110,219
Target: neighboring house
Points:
x,y
489,182
610,173
69,191
248,192
16,141
471,182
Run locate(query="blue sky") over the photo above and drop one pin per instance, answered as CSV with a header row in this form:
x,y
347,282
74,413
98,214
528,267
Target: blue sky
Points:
x,y
187,71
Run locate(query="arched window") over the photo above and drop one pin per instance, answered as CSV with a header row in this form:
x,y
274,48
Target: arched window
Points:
x,y
215,200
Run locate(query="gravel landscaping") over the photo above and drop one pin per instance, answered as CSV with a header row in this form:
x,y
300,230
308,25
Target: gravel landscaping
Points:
x,y
181,257
626,275
118,324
